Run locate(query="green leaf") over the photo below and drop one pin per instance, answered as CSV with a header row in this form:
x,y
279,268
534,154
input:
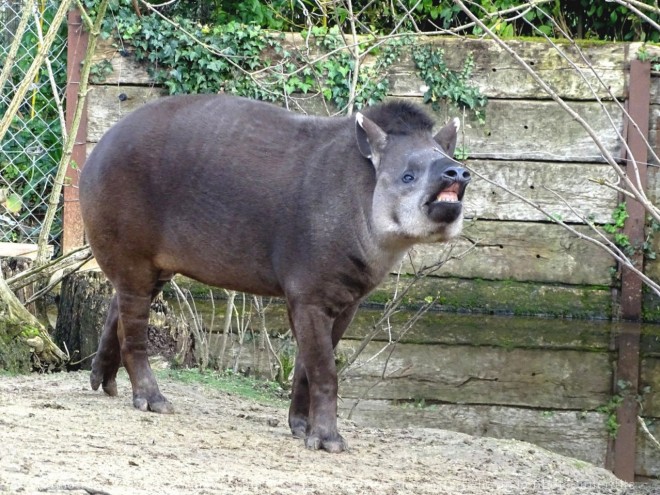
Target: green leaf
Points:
x,y
14,204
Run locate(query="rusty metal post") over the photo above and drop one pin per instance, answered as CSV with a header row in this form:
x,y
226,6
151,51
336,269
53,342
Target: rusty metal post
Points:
x,y
627,371
73,235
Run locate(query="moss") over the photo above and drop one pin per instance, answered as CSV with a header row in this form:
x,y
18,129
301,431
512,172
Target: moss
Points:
x,y
506,297
487,330
650,306
15,354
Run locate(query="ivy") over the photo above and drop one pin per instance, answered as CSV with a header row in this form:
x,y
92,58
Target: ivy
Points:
x,y
619,216
446,85
183,65
336,71
228,54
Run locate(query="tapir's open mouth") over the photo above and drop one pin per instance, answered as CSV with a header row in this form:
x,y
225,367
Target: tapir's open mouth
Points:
x,y
449,194
445,205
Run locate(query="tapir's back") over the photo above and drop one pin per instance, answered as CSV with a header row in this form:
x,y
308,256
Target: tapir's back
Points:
x,y
201,185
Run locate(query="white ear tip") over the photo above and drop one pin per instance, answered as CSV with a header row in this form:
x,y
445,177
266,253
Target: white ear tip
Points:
x,y
456,122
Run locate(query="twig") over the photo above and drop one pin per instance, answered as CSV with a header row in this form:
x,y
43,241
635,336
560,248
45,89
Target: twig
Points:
x,y
51,79
197,325
30,276
28,6
645,429
629,5
585,125
613,251
394,305
229,311
30,74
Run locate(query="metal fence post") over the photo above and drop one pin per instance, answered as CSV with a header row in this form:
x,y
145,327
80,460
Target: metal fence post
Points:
x,y
73,235
627,371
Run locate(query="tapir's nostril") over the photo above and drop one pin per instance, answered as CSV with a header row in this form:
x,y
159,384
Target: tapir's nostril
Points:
x,y
457,174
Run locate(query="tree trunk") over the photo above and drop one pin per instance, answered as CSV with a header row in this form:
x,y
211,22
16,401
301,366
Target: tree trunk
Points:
x,y
84,301
20,329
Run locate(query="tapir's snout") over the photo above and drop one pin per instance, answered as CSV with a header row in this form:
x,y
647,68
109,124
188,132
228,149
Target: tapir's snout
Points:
x,y
457,174
450,185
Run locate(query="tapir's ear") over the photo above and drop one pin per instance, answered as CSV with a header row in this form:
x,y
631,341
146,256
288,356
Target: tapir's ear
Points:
x,y
371,139
447,136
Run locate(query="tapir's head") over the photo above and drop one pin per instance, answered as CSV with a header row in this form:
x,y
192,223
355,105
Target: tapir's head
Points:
x,y
419,186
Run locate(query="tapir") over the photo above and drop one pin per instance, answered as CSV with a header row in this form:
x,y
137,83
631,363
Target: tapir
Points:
x,y
249,196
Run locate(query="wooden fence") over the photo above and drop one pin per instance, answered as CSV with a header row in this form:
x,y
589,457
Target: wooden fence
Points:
x,y
552,381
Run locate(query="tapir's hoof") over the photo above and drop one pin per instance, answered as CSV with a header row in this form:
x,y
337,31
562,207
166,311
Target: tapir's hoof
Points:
x,y
334,444
298,427
158,404
109,384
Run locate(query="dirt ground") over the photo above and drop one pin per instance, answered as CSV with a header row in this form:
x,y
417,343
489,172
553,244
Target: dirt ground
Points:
x,y
59,437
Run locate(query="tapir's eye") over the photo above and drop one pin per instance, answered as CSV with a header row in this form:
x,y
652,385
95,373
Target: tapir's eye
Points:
x,y
407,178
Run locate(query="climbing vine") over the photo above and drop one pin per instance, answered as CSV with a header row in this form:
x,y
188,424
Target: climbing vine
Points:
x,y
245,59
446,85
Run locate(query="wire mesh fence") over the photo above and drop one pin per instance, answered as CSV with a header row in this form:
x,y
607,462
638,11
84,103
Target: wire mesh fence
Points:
x,y
32,147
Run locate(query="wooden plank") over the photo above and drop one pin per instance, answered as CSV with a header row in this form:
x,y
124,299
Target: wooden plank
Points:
x,y
20,250
497,75
538,182
650,387
521,251
648,454
652,266
479,375
513,129
435,328
655,88
467,297
532,130
504,297
581,435
541,130
107,104
654,133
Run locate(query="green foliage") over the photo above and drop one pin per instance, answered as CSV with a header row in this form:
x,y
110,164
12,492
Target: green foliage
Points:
x,y
619,216
226,381
225,56
335,71
610,409
583,19
445,85
183,65
644,56
100,71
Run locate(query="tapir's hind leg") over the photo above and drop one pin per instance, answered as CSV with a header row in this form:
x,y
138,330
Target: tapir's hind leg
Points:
x,y
124,339
108,358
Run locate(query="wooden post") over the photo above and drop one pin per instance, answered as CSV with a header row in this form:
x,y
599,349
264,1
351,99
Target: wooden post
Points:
x,y
627,370
77,42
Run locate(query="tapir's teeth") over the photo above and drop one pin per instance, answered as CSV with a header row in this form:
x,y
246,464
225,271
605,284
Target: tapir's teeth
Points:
x,y
450,196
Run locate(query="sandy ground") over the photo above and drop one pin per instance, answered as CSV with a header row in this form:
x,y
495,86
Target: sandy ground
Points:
x,y
59,437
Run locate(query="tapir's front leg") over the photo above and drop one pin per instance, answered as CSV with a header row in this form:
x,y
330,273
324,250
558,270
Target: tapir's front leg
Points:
x,y
313,329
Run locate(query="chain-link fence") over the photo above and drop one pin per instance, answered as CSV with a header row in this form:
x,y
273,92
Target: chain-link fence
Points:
x,y
32,148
